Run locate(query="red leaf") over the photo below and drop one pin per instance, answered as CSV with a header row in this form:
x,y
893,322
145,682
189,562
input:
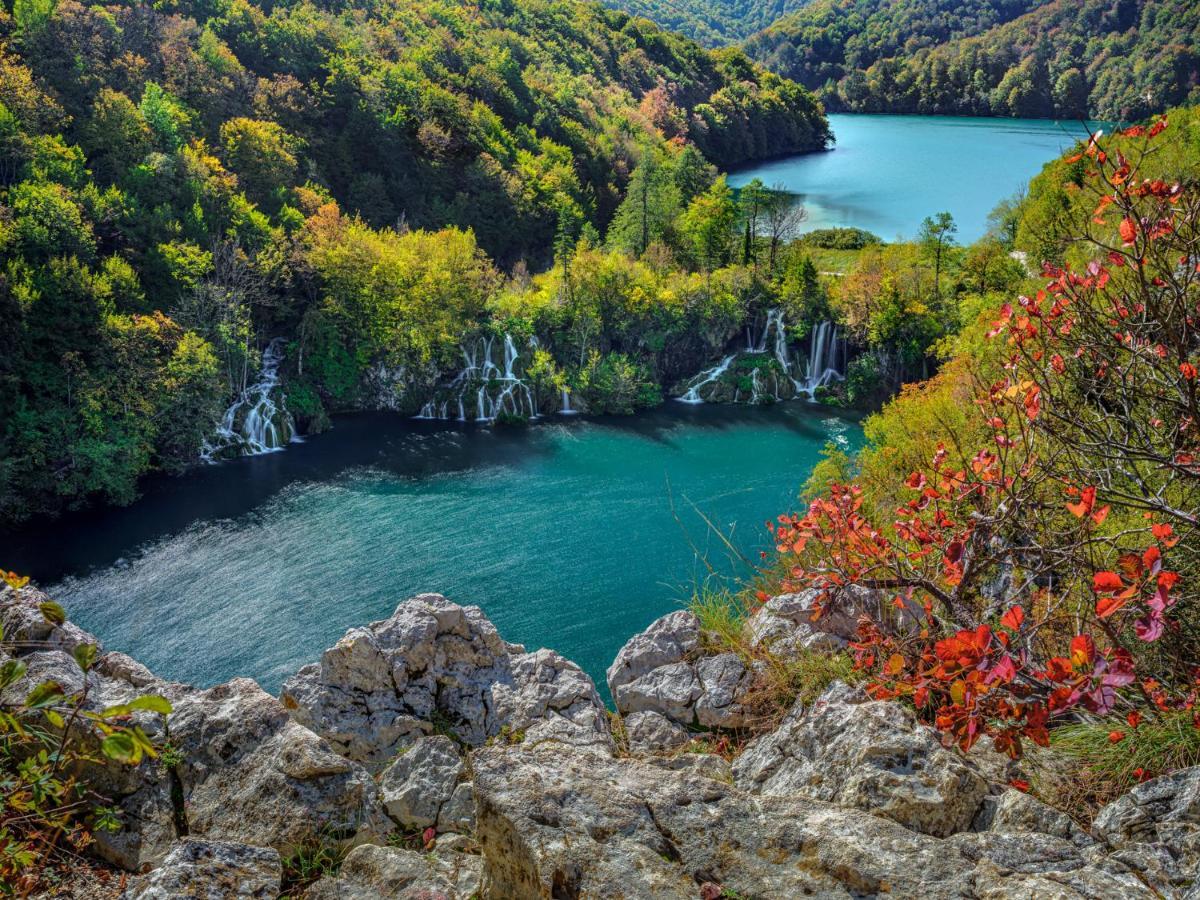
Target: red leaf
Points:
x,y
1106,606
1013,618
1128,230
1107,581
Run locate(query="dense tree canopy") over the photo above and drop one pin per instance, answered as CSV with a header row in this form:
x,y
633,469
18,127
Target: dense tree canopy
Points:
x,y
1111,59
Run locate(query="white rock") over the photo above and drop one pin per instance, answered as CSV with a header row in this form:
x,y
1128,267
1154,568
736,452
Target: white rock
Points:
x,y
211,870
651,732
667,640
378,688
390,873
873,756
418,784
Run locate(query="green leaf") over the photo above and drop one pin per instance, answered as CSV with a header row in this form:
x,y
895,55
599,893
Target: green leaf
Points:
x,y
10,671
85,655
53,613
121,709
152,702
45,694
121,747
54,718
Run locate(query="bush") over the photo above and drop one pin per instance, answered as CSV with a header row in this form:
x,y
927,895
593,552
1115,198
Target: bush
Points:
x,y
840,239
47,812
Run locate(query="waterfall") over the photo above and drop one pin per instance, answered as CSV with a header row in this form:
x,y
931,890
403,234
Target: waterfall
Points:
x,y
254,423
496,390
823,357
708,376
566,404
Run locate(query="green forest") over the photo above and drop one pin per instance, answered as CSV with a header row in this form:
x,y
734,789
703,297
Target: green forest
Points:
x,y
1108,59
182,184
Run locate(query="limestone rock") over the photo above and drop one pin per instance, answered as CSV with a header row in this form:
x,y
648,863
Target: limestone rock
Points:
x,y
458,813
556,822
390,873
723,681
651,732
659,671
667,640
784,625
873,756
1015,811
421,781
246,773
25,625
211,870
671,690
1162,814
379,687
786,622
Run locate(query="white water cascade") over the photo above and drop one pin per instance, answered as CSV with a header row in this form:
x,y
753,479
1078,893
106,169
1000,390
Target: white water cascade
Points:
x,y
493,389
255,423
824,354
708,376
566,404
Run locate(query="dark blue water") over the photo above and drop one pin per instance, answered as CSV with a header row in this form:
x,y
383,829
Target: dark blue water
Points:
x,y
887,173
564,533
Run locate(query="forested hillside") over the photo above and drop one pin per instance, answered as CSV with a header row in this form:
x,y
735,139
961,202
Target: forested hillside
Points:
x,y
183,183
714,23
1111,59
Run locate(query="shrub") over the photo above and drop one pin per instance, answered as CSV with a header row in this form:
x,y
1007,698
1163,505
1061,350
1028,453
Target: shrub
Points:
x,y
47,810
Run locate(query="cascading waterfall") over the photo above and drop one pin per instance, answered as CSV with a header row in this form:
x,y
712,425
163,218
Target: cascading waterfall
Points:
x,y
566,404
824,353
255,423
496,390
708,376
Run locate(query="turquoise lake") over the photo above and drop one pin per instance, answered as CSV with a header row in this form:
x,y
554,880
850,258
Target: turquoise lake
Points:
x,y
887,173
563,532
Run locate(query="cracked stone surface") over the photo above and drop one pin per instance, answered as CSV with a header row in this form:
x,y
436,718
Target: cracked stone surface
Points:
x,y
380,687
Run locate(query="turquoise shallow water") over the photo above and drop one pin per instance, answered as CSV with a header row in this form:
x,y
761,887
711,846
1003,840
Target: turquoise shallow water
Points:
x,y
886,173
564,533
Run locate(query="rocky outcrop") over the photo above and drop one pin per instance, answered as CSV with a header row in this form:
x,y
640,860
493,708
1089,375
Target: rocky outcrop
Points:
x,y
211,870
236,767
555,822
661,670
1156,827
506,755
872,756
651,732
379,688
391,873
421,781
787,625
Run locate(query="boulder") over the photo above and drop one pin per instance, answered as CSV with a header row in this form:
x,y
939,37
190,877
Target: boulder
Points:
x,y
787,625
391,873
651,732
211,870
458,813
661,670
558,822
421,781
244,772
379,688
872,756
1015,811
667,640
784,626
26,626
1156,828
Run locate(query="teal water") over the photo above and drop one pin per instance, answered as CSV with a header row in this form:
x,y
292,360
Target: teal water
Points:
x,y
564,533
887,173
